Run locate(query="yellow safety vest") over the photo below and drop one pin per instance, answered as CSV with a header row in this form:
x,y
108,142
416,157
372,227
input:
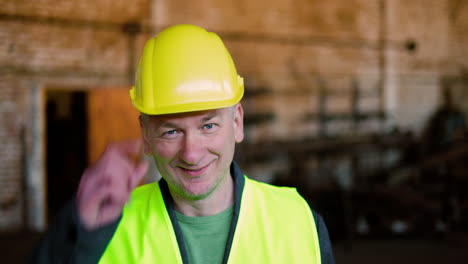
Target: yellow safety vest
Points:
x,y
275,225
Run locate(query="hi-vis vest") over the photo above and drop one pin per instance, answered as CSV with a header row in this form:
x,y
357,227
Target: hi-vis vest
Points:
x,y
271,225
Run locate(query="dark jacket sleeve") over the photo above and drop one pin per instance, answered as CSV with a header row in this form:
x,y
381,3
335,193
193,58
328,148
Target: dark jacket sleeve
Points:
x,y
67,241
326,250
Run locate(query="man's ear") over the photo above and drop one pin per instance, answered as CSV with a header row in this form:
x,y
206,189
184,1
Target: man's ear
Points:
x,y
144,136
238,123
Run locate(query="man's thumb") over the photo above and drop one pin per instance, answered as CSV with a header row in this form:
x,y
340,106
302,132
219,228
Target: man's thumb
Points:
x,y
138,173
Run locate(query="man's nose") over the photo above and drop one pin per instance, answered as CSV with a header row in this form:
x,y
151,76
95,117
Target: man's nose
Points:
x,y
191,151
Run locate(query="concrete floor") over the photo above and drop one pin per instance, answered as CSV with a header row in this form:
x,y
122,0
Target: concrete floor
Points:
x,y
453,249
15,247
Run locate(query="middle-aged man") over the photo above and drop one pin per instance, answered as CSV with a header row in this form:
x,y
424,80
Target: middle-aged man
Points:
x,y
204,210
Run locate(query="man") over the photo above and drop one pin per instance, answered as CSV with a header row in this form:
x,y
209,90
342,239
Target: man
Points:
x,y
204,210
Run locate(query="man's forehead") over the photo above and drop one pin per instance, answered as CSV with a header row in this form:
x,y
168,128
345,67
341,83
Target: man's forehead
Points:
x,y
205,114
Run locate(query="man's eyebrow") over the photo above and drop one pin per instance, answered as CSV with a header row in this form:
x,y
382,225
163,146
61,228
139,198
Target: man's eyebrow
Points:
x,y
167,125
210,116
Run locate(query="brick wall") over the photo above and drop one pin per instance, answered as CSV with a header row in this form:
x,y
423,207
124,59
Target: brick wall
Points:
x,y
285,45
418,75
458,43
10,152
288,47
58,44
118,11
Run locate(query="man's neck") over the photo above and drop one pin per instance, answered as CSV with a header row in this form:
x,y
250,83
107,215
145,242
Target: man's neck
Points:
x,y
218,201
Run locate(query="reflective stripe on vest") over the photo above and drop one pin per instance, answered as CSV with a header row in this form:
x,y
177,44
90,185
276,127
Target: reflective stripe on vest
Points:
x,y
275,225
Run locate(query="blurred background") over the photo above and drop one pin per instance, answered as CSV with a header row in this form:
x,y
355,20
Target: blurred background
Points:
x,y
360,104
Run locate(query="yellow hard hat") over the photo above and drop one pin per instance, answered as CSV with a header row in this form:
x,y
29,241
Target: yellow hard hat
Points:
x,y
184,69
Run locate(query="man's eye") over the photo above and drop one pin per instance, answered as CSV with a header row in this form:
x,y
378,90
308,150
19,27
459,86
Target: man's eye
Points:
x,y
169,134
208,126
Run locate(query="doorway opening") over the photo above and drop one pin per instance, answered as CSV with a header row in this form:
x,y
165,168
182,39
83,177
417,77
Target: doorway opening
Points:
x,y
66,146
79,124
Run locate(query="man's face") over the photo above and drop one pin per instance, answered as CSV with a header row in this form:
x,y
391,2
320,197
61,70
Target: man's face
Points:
x,y
193,151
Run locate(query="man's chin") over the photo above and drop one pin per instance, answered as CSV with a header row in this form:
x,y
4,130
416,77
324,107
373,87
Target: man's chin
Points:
x,y
197,194
196,197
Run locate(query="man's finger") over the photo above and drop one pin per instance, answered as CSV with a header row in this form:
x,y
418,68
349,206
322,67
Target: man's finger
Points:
x,y
130,147
91,185
88,208
138,173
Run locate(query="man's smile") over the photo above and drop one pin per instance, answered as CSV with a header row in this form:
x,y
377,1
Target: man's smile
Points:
x,y
195,172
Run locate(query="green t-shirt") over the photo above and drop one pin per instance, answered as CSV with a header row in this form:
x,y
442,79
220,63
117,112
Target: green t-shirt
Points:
x,y
205,237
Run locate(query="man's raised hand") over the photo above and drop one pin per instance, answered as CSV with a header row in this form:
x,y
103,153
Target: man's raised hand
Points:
x,y
106,186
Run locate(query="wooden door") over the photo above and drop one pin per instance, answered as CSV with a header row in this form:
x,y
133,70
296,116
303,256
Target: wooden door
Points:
x,y
111,117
